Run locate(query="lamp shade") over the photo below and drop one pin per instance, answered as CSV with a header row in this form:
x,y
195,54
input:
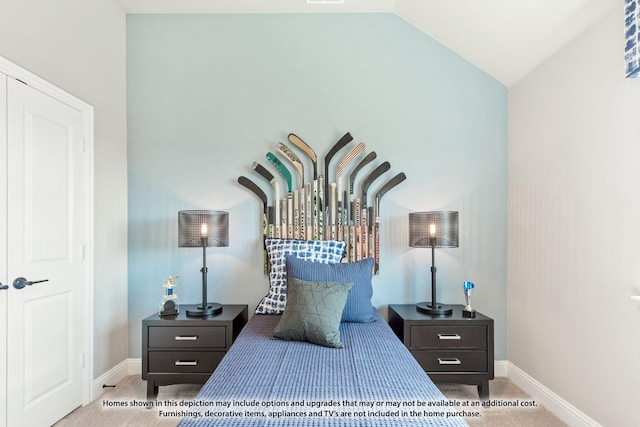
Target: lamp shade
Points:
x,y
437,229
194,225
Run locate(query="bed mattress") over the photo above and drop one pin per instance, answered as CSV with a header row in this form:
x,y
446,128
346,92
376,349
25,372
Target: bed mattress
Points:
x,y
372,381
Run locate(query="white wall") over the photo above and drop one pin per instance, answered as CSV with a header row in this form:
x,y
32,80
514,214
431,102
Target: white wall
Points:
x,y
79,46
574,225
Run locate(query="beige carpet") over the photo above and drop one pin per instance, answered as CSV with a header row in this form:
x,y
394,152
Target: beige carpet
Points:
x,y
132,392
501,389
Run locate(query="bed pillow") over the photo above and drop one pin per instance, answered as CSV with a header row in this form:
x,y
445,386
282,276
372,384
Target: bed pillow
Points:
x,y
313,311
320,251
358,307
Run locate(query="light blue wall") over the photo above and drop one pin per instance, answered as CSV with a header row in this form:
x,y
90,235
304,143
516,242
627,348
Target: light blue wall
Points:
x,y
210,94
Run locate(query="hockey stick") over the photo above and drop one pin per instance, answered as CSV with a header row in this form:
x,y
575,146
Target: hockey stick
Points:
x,y
298,142
354,209
316,216
368,159
309,218
289,202
352,154
342,142
252,186
332,207
384,189
262,171
298,212
295,161
282,169
320,207
373,175
366,220
376,206
298,195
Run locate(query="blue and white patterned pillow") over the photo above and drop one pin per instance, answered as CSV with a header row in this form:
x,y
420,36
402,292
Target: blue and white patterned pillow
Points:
x,y
632,38
323,251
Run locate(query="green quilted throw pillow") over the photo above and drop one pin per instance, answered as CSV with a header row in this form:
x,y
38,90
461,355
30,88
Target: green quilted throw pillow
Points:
x,y
313,312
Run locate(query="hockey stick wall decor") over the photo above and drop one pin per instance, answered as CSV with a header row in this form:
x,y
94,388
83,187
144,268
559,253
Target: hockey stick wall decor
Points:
x,y
376,215
252,186
317,208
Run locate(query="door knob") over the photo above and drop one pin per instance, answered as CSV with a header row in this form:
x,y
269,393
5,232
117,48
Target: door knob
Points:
x,y
3,287
21,282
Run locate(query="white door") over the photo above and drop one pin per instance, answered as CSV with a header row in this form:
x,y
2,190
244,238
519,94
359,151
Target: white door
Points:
x,y
3,250
45,223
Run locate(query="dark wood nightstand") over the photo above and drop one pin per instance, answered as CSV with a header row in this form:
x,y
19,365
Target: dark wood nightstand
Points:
x,y
186,350
451,349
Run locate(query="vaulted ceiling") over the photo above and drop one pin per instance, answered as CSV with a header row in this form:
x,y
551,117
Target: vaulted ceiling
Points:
x,y
505,38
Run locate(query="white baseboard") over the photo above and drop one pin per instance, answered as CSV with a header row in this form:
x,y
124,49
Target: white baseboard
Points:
x,y
115,375
554,403
501,368
135,366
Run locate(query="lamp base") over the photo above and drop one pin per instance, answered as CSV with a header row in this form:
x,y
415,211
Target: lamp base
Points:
x,y
437,308
212,309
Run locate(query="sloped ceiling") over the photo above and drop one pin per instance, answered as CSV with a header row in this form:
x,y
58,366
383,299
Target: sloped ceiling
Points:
x,y
505,38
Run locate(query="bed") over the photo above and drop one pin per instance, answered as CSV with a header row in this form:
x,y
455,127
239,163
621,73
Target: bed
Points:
x,y
335,361
373,367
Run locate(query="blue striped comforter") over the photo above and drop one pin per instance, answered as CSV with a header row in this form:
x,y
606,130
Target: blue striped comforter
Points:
x,y
372,381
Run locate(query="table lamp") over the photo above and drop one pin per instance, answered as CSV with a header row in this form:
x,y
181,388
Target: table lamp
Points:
x,y
200,228
436,229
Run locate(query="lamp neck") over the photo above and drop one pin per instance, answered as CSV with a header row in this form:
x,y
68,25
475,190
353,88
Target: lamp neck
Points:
x,y
204,270
433,273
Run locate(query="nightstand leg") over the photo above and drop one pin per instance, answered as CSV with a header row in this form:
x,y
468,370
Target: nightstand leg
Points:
x,y
152,390
483,390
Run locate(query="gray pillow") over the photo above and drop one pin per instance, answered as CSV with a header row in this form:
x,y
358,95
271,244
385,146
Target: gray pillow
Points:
x,y
313,312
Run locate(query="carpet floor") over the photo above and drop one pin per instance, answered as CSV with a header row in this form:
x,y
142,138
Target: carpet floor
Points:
x,y
109,409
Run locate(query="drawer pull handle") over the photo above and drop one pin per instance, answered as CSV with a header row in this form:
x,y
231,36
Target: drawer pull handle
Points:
x,y
186,338
449,361
449,337
186,363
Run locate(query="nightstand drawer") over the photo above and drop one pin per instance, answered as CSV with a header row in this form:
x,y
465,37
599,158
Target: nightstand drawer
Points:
x,y
184,361
187,337
422,336
452,361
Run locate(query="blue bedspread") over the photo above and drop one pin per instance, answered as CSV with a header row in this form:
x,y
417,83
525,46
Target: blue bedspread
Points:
x,y
372,381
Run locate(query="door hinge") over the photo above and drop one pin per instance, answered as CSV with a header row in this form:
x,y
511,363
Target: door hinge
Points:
x,y
83,361
84,253
84,144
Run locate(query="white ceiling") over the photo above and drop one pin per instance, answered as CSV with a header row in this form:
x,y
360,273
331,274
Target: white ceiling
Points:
x,y
505,38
